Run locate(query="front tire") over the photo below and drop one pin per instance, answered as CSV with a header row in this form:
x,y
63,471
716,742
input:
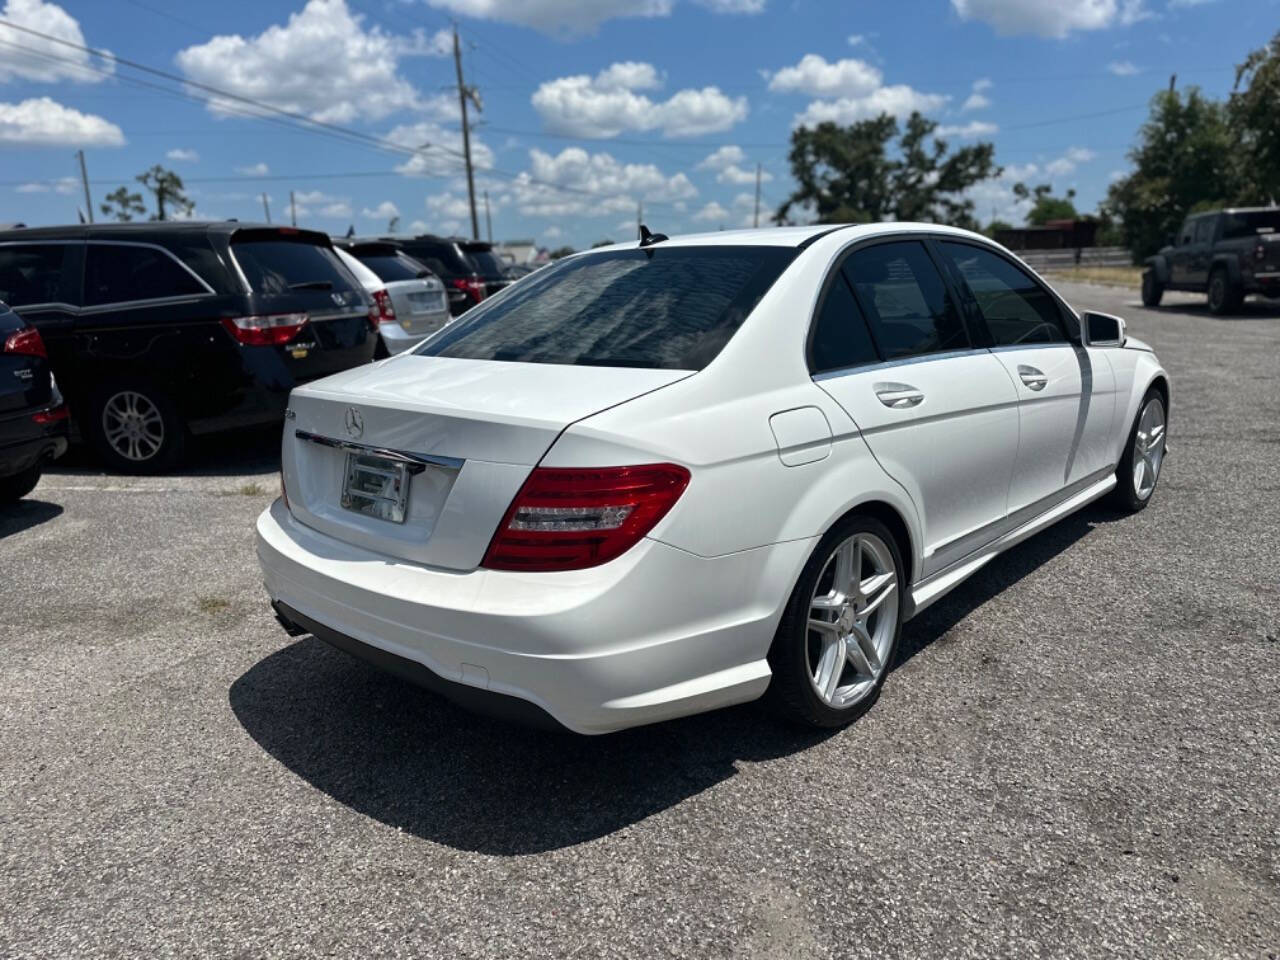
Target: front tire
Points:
x,y
1139,468
839,632
1152,289
1225,297
14,488
134,426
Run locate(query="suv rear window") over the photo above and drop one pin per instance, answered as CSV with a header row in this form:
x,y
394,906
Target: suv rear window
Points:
x,y
441,256
1236,226
486,261
391,267
283,266
671,308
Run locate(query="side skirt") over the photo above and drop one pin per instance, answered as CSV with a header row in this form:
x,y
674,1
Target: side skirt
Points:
x,y
936,586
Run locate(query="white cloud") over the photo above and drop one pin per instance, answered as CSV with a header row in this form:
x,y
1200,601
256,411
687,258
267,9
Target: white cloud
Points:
x,y
574,17
575,182
608,104
818,78
1069,161
182,155
857,39
447,206
552,232
712,213
383,211
978,99
31,58
1051,18
898,100
254,170
733,6
43,122
982,83
1115,175
322,63
1122,68
968,131
63,185
439,150
727,164
338,210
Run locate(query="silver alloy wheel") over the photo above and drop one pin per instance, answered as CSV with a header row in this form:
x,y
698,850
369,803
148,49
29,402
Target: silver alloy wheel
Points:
x,y
1148,448
133,425
853,616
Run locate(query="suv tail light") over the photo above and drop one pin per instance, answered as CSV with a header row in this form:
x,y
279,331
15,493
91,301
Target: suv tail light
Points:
x,y
27,342
471,286
384,310
265,331
568,519
1259,252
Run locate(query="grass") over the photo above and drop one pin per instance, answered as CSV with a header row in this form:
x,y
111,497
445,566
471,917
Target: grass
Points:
x,y
244,490
1105,276
212,605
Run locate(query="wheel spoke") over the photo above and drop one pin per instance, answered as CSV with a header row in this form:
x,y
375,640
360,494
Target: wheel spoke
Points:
x,y
861,652
846,573
830,666
887,589
822,626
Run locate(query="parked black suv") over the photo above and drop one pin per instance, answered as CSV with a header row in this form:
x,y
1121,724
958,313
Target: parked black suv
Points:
x,y
470,269
1225,253
33,419
157,329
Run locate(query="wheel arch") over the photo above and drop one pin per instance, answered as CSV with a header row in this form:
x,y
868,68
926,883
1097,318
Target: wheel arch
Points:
x,y
1229,263
1160,264
892,518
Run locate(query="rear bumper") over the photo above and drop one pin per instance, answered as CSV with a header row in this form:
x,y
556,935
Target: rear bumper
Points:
x,y
25,443
655,634
397,340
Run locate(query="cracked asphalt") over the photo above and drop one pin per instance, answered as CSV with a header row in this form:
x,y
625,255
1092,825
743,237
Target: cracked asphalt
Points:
x,y
1077,755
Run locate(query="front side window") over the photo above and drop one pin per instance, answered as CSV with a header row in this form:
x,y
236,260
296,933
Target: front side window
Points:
x,y
905,300
672,308
840,335
1204,230
1016,309
121,274
32,273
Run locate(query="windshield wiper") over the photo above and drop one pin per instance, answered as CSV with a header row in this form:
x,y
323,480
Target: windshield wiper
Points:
x,y
312,285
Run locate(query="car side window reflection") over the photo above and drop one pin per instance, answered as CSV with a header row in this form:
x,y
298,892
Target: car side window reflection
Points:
x,y
1017,310
906,303
840,335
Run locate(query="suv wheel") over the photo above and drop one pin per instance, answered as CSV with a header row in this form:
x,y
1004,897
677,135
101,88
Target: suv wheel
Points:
x,y
1224,296
135,427
1152,289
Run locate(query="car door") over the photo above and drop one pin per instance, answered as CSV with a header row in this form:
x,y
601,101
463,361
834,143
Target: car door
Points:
x,y
939,414
1066,392
41,283
1180,259
1201,251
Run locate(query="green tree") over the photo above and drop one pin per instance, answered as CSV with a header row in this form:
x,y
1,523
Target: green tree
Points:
x,y
602,243
846,174
1186,156
166,186
1254,112
122,205
995,226
1045,206
559,252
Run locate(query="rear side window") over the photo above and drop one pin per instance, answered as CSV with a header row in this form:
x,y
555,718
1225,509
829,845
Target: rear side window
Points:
x,y
391,267
33,273
486,261
116,273
840,335
905,300
283,266
1204,230
1016,309
670,309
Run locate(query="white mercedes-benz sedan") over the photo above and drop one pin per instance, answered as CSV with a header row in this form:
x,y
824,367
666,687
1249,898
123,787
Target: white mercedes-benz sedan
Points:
x,y
660,478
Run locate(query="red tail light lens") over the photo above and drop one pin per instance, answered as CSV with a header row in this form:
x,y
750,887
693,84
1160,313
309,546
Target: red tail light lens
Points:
x,y
472,286
52,415
384,310
27,342
267,331
569,519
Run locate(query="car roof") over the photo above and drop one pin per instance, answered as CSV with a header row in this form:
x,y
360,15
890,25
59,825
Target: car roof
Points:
x,y
143,231
795,236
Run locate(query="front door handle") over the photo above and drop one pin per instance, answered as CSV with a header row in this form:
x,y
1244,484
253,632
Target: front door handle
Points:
x,y
1033,378
899,396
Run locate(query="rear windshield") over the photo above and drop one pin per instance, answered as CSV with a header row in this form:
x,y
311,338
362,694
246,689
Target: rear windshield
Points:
x,y
285,266
442,257
668,309
1250,224
487,263
391,267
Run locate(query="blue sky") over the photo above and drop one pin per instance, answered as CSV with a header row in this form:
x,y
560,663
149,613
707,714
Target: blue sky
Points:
x,y
590,106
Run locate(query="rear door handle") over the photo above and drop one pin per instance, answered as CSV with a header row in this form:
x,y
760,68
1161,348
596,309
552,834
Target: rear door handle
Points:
x,y
1033,378
899,396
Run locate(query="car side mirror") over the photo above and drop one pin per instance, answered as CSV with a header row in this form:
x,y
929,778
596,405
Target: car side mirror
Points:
x,y
1103,330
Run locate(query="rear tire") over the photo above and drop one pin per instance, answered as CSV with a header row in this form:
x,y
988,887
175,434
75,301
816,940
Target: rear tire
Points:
x,y
14,488
1152,289
134,426
1225,297
831,675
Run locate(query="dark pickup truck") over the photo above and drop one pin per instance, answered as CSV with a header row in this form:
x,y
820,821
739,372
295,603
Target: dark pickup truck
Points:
x,y
1224,253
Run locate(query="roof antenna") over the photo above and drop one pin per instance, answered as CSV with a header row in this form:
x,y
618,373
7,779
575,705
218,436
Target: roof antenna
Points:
x,y
648,239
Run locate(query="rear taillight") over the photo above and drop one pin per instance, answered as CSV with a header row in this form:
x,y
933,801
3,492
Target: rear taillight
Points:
x,y
568,519
265,331
27,342
1259,252
384,310
52,415
471,286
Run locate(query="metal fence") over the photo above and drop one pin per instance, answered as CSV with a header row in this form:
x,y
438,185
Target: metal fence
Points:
x,y
1083,257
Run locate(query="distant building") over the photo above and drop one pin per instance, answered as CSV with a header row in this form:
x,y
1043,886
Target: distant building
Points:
x,y
1053,235
517,251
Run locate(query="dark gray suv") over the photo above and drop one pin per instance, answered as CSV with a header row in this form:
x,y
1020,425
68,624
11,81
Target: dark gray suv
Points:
x,y
1224,253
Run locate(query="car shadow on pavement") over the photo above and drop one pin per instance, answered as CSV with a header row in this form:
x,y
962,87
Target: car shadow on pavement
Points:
x,y
236,453
413,761
25,514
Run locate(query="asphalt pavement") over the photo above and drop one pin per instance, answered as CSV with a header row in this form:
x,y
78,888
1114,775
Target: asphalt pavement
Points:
x,y
1077,754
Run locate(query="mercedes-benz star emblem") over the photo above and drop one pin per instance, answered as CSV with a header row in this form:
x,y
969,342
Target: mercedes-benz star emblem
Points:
x,y
355,422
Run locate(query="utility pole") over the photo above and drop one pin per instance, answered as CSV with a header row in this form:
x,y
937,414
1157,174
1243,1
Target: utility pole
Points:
x,y
84,179
266,209
464,95
1173,80
757,217
488,224
293,210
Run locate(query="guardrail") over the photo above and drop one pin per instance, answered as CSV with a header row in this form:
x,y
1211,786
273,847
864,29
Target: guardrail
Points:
x,y
1071,257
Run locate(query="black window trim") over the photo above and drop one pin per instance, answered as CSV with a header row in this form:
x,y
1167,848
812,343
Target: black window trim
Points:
x,y
835,269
